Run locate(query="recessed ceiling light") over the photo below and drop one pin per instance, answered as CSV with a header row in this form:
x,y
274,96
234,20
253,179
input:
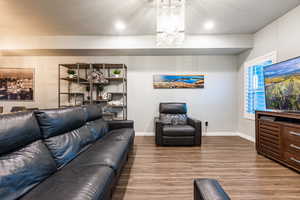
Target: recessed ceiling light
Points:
x,y
120,26
209,25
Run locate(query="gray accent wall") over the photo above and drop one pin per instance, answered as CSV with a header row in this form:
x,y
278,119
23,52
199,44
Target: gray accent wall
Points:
x,y
282,36
216,103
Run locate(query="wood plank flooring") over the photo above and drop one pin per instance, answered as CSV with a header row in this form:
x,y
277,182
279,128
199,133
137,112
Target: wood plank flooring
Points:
x,y
154,173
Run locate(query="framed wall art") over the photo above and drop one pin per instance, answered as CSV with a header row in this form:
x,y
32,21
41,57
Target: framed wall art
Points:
x,y
16,84
178,81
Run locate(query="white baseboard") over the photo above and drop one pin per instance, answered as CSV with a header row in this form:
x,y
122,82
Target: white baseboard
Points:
x,y
217,133
144,134
247,137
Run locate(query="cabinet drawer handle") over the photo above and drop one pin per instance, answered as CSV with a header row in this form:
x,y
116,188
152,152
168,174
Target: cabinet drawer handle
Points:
x,y
295,160
294,133
295,147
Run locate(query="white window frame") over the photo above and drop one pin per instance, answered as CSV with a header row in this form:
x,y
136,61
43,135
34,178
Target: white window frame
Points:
x,y
270,56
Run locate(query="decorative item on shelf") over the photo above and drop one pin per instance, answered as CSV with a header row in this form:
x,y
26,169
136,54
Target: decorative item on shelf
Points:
x,y
97,77
115,103
71,73
107,96
116,73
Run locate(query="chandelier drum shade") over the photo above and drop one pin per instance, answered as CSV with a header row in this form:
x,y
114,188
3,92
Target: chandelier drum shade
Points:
x,y
170,22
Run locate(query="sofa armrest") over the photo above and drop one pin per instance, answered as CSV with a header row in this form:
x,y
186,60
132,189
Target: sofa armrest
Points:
x,y
112,125
197,124
158,125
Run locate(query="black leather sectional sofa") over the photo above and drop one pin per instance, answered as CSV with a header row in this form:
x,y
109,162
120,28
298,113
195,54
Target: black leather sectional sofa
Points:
x,y
62,154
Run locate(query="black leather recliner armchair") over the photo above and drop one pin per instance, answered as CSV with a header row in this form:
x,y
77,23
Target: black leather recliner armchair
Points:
x,y
174,128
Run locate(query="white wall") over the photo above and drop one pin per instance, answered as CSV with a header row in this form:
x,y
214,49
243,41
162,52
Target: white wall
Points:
x,y
283,36
215,104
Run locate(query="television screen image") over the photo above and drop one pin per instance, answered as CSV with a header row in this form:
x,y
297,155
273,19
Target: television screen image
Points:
x,y
282,85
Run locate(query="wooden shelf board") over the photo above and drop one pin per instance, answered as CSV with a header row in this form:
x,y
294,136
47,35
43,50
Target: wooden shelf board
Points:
x,y
112,106
117,93
71,93
81,80
116,79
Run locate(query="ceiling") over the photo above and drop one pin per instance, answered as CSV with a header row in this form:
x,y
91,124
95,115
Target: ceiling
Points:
x,y
97,17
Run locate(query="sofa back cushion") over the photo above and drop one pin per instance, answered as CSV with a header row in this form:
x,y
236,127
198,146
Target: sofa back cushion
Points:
x,y
93,112
65,133
94,120
24,160
98,128
54,122
17,130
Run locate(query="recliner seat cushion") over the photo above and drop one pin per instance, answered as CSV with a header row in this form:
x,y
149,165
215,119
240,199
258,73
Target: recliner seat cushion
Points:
x,y
178,130
75,183
20,171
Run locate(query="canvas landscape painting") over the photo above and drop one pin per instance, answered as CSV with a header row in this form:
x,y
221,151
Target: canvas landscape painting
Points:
x,y
282,85
16,84
178,81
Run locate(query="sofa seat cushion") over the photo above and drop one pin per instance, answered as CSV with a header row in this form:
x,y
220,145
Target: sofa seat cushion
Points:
x,y
75,183
109,151
23,169
122,134
178,130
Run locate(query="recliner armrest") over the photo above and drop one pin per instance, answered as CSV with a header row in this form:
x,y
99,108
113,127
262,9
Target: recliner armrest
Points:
x,y
112,125
197,124
158,130
193,122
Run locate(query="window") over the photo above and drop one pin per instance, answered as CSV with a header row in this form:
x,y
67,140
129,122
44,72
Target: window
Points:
x,y
254,84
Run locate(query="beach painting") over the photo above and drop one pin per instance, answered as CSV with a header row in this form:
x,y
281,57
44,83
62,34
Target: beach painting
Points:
x,y
178,81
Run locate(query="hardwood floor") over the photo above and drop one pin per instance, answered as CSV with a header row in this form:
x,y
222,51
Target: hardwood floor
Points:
x,y
154,173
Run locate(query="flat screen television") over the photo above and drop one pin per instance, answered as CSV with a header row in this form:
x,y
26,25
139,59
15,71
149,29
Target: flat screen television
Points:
x,y
282,86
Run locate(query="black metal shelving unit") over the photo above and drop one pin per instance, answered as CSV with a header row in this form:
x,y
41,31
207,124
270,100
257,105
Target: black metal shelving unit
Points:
x,y
75,89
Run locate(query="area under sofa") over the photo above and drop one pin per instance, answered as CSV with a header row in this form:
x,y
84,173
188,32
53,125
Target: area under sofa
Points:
x,y
69,153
